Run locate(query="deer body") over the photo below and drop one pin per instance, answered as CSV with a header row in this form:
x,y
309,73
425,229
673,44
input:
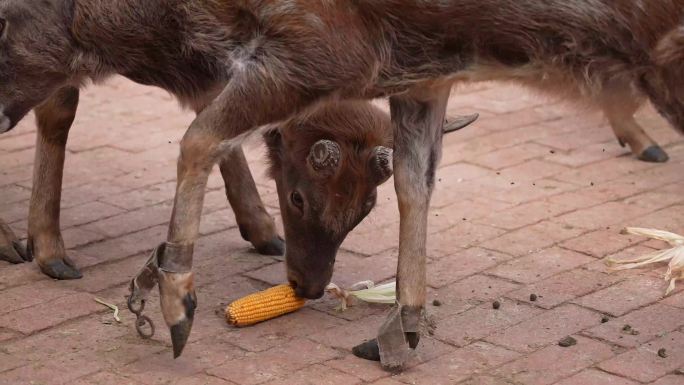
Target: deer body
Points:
x,y
247,63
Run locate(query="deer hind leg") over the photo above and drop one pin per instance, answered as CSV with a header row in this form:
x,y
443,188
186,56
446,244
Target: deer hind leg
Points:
x,y
11,250
254,222
417,119
620,107
45,244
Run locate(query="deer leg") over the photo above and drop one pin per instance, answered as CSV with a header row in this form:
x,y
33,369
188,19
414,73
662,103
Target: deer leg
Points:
x,y
45,244
11,250
248,101
620,108
254,222
418,120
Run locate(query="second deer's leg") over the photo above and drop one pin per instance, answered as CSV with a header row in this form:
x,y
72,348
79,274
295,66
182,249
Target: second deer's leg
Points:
x,y
256,225
418,120
619,108
45,244
11,250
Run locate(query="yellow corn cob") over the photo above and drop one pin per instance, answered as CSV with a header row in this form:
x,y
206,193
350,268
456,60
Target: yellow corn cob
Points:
x,y
263,306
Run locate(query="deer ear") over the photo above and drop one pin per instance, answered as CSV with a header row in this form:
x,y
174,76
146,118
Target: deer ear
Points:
x,y
324,157
381,164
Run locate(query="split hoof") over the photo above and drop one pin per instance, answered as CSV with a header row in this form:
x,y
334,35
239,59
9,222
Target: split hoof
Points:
x,y
60,269
275,247
14,253
368,350
178,304
654,154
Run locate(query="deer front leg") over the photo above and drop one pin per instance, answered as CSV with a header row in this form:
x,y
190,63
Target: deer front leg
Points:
x,y
11,250
418,121
45,244
254,222
619,107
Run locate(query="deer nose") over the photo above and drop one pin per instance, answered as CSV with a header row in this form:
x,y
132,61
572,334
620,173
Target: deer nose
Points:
x,y
305,291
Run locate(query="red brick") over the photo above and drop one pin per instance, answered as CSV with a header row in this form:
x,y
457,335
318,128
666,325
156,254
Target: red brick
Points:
x,y
475,288
217,221
672,379
274,363
595,377
147,196
133,220
521,192
462,235
649,322
532,238
525,214
451,368
601,242
625,296
563,287
457,266
202,379
537,266
317,375
26,296
363,369
43,316
532,170
545,329
553,363
79,236
60,370
479,322
511,156
104,378
281,330
125,246
643,364
607,214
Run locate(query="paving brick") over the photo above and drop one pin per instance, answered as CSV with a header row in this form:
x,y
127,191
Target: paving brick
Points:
x,y
274,363
43,316
455,267
317,375
643,364
625,296
104,378
511,156
669,380
202,379
462,235
603,215
595,377
563,287
133,220
532,238
553,363
60,370
537,266
479,322
601,242
545,329
650,322
451,368
525,214
476,288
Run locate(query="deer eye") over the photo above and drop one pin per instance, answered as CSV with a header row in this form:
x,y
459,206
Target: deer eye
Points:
x,y
297,200
3,24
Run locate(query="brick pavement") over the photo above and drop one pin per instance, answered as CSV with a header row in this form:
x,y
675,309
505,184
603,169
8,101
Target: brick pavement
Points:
x,y
529,200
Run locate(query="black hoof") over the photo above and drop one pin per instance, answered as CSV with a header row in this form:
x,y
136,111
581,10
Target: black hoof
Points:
x,y
275,246
180,332
59,269
14,253
368,350
654,154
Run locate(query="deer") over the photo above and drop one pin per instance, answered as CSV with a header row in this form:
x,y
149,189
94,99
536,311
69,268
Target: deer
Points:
x,y
249,64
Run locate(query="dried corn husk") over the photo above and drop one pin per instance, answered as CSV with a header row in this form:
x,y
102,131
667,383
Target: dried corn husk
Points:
x,y
674,255
385,293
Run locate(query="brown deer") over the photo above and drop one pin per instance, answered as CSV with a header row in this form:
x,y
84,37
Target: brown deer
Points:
x,y
249,63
